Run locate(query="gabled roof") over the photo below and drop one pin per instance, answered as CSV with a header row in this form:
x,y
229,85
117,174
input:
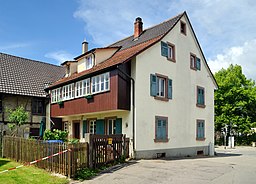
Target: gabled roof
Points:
x,y
28,77
128,49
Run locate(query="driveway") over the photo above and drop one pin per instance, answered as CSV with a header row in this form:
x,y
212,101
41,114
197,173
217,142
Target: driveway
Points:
x,y
236,166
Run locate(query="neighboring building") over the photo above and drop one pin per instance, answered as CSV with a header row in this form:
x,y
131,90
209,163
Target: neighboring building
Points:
x,y
22,82
154,86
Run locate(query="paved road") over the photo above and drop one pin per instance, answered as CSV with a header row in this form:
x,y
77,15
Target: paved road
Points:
x,y
236,166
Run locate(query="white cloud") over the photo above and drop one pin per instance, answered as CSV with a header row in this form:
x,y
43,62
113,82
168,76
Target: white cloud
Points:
x,y
110,21
12,46
60,56
242,55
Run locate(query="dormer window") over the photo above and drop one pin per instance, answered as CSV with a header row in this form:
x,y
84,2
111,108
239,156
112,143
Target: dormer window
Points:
x,y
88,62
68,70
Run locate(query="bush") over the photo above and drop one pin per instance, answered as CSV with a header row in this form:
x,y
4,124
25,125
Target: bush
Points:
x,y
55,135
85,174
73,141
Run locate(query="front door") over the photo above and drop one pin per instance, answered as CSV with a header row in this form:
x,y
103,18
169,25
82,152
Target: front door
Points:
x,y
76,130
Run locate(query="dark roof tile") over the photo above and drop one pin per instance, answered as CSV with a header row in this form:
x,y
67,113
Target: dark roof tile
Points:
x,y
23,76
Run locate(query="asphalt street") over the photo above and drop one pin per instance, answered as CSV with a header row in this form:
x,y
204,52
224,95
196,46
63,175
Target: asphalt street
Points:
x,y
230,166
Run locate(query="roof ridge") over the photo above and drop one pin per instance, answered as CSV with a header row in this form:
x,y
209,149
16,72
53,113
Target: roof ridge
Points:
x,y
29,59
180,14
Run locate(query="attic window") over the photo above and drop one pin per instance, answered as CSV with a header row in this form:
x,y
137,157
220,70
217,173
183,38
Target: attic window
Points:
x,y
88,62
183,28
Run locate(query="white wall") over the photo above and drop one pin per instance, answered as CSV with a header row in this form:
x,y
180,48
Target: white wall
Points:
x,y
181,110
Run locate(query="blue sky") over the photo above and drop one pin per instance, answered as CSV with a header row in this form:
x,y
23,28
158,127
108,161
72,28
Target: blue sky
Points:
x,y
53,30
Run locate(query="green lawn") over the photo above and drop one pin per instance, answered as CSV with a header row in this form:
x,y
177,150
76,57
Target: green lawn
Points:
x,y
26,174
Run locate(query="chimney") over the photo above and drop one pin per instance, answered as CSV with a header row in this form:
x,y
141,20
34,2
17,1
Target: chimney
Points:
x,y
84,46
138,28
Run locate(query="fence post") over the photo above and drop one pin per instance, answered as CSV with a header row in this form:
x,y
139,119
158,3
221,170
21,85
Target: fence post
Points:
x,y
90,153
69,161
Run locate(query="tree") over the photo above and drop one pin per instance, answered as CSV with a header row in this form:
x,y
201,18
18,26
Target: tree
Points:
x,y
235,100
18,117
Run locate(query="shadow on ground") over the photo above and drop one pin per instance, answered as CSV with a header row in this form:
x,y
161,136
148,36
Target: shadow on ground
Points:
x,y
3,162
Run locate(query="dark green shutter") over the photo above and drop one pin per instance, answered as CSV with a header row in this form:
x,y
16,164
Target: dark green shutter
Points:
x,y
153,85
100,127
170,88
84,127
164,49
119,126
198,64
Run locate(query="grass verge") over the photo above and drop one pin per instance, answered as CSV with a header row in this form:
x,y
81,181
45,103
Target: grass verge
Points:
x,y
26,174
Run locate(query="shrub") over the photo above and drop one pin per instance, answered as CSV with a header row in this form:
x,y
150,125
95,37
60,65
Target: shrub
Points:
x,y
85,174
55,135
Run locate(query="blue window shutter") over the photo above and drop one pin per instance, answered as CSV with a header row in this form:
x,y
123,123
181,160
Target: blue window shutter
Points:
x,y
169,88
202,130
198,96
198,64
159,130
164,49
84,127
164,129
100,127
153,85
202,96
119,126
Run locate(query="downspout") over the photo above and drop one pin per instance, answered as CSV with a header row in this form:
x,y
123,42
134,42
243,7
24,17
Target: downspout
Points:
x,y
133,106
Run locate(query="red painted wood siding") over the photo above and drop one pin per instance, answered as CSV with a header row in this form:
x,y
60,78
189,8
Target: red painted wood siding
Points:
x,y
100,102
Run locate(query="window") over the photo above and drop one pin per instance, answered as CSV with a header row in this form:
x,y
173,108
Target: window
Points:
x,y
68,92
38,106
100,83
183,28
88,62
192,61
86,87
200,97
56,95
161,129
65,126
111,126
195,62
92,126
168,50
161,82
114,125
160,87
200,130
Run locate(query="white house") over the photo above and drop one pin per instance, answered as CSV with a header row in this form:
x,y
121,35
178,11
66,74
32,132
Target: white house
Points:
x,y
154,86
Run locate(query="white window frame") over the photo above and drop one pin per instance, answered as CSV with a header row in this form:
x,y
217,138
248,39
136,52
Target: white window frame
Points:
x,y
68,91
100,83
92,126
111,125
86,87
56,95
88,62
161,83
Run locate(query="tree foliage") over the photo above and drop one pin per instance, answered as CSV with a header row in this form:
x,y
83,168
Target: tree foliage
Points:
x,y
235,100
18,116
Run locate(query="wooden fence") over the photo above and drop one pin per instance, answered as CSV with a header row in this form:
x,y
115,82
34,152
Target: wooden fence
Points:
x,y
24,150
107,148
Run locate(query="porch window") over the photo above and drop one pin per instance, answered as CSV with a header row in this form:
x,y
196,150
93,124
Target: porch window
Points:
x,y
56,95
100,83
68,91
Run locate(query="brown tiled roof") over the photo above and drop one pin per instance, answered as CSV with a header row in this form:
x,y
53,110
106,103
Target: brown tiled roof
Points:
x,y
22,76
119,57
128,49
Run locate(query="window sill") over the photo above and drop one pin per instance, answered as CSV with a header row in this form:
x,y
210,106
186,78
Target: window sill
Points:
x,y
171,59
200,105
192,68
161,98
200,139
161,140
